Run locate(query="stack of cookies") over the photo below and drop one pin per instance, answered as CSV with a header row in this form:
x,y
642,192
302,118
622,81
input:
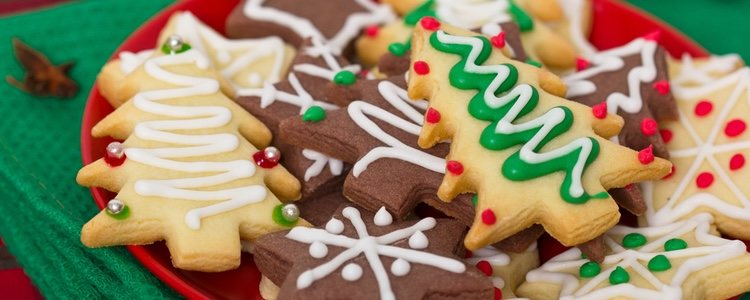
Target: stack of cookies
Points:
x,y
410,149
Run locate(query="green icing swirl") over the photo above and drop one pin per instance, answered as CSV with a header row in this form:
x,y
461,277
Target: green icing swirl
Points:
x,y
524,21
515,102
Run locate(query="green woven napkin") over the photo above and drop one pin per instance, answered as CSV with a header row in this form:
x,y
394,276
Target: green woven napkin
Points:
x,y
42,208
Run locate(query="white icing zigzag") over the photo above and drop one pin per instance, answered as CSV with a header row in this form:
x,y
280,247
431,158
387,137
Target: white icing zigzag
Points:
x,y
711,251
372,247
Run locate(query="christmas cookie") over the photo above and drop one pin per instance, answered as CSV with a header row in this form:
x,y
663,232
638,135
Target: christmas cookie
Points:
x,y
335,22
189,171
507,270
485,16
683,260
531,157
361,255
709,146
571,19
690,71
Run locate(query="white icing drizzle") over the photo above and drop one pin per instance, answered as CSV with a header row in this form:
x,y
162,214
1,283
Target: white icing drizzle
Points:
x,y
372,247
701,75
396,96
375,14
495,257
710,250
320,160
188,118
473,14
318,49
611,60
130,61
522,94
383,217
677,207
573,10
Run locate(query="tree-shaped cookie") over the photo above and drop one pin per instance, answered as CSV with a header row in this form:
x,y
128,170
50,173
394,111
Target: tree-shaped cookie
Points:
x,y
186,172
530,156
507,270
709,147
362,255
694,71
682,260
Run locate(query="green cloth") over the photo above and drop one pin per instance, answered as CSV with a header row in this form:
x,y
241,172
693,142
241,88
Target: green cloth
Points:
x,y
721,26
42,208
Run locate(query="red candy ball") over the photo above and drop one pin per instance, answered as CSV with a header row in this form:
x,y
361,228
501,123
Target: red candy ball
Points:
x,y
430,23
737,162
666,135
704,180
432,116
498,294
600,110
735,128
488,217
485,267
421,68
649,126
703,108
498,41
582,64
646,156
662,86
372,31
454,167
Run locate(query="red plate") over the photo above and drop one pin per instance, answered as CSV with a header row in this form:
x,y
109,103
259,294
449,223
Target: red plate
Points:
x,y
242,283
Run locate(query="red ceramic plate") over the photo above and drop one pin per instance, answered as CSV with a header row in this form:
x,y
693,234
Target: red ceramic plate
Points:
x,y
608,31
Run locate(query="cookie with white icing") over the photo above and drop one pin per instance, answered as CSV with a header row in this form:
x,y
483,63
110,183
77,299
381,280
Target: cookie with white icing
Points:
x,y
570,19
506,270
362,255
709,146
189,171
530,156
694,71
682,260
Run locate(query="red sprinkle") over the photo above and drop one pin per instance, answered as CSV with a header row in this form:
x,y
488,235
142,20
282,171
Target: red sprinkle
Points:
x,y
498,41
703,108
737,162
653,36
488,217
582,64
430,23
735,127
646,156
666,135
261,160
662,86
114,161
454,167
485,267
469,254
671,173
498,294
600,110
421,68
649,126
432,116
372,31
704,180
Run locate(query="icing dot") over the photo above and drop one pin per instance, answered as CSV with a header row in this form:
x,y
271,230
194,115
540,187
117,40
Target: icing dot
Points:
x,y
646,156
704,180
430,23
653,36
488,217
351,272
670,174
382,217
649,126
318,249
737,162
400,267
344,77
659,263
600,110
633,240
666,135
468,254
432,116
498,294
485,267
498,41
372,31
314,114
474,200
277,216
619,275
582,64
115,154
418,240
397,49
735,127
421,67
662,87
335,226
589,269
703,108
267,158
454,167
675,244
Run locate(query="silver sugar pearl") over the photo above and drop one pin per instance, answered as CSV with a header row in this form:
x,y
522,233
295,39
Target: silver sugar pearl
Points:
x,y
115,149
272,153
290,212
115,206
174,42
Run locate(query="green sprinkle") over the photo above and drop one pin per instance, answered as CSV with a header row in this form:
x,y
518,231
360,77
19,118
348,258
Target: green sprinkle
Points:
x,y
633,240
279,218
675,244
124,214
474,200
165,48
589,269
659,263
397,49
344,77
619,275
314,114
524,21
534,63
